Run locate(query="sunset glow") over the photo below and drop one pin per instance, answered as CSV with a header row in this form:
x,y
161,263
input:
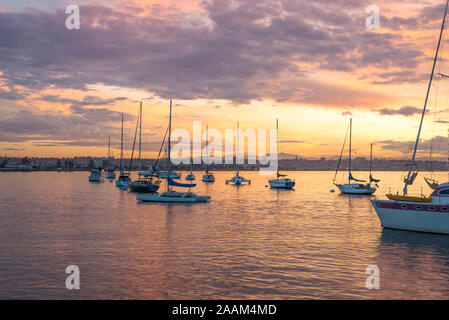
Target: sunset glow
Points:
x,y
310,65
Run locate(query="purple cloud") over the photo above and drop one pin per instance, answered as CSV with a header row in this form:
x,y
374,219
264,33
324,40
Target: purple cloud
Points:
x,y
235,50
406,111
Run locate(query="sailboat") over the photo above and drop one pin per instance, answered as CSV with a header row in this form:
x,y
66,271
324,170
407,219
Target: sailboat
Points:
x,y
208,176
371,179
143,184
95,175
417,213
123,179
171,195
169,173
360,188
191,176
238,180
281,182
110,171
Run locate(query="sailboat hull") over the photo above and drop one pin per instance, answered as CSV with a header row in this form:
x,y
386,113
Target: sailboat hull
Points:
x,y
143,187
174,197
110,176
282,183
96,176
95,179
173,175
238,180
355,188
123,182
412,216
208,178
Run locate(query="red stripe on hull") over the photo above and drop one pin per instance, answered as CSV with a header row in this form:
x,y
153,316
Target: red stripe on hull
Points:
x,y
412,206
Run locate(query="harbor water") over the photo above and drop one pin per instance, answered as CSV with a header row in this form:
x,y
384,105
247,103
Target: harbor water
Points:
x,y
249,242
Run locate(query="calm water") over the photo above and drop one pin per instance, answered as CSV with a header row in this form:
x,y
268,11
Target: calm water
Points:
x,y
249,242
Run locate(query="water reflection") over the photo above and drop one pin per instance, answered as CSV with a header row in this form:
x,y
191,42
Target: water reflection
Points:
x,y
248,242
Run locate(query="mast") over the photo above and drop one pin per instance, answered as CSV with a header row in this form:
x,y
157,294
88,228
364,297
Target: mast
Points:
x,y
109,148
370,161
191,157
237,151
350,149
140,136
341,155
207,144
169,148
277,144
121,150
412,162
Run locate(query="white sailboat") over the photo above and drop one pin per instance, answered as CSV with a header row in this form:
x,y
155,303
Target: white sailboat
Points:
x,y
191,176
110,171
360,187
281,181
95,175
123,179
238,180
169,173
417,213
208,175
151,172
171,195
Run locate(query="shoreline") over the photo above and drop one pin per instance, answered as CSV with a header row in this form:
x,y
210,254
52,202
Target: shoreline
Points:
x,y
226,170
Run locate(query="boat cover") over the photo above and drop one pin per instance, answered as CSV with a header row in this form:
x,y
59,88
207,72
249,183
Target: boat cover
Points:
x,y
171,182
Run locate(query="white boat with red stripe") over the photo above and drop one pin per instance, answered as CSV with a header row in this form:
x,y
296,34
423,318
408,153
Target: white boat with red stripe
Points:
x,y
425,214
417,213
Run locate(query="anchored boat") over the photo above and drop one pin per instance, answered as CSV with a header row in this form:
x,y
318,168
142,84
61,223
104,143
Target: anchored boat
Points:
x,y
171,195
208,176
238,180
405,212
281,181
123,179
143,184
190,176
95,175
360,187
110,175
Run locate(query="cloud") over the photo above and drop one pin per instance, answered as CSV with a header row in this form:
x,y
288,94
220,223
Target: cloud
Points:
x,y
441,121
13,149
403,111
291,141
20,124
78,107
438,144
428,17
234,50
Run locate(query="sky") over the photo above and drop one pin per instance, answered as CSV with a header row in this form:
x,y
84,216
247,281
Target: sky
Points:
x,y
310,64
